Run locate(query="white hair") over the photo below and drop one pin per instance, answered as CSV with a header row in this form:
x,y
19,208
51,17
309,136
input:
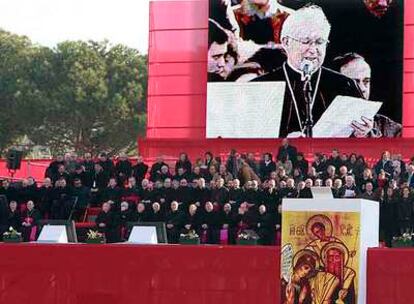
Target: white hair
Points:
x,y
312,15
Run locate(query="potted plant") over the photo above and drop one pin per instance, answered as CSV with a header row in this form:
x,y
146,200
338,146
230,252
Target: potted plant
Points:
x,y
190,238
12,236
247,238
95,237
405,240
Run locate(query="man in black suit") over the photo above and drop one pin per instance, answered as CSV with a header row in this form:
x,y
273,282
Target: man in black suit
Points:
x,y
305,36
218,41
374,29
287,151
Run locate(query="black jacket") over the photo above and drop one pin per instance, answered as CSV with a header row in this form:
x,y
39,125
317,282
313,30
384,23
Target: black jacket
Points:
x,y
331,85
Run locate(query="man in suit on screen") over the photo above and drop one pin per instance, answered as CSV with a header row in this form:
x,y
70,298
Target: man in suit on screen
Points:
x,y
304,37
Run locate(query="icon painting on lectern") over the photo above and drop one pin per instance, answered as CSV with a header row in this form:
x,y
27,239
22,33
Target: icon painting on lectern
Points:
x,y
319,259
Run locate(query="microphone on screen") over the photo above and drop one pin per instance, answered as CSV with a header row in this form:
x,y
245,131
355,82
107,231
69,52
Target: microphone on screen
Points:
x,y
306,68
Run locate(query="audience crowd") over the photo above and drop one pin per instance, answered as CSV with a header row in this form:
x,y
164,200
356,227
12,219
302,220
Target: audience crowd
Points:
x,y
218,199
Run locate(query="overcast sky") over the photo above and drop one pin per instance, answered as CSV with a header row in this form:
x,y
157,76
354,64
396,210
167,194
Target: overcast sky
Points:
x,y
49,22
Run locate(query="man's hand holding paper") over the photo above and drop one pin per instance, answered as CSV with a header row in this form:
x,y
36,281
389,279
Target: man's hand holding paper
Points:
x,y
346,115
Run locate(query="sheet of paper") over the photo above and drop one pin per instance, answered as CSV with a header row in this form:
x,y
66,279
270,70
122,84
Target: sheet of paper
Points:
x,y
349,193
244,110
336,120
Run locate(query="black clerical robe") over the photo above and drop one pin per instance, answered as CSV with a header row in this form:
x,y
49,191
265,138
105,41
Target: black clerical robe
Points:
x,y
331,84
30,231
111,228
212,219
265,228
174,218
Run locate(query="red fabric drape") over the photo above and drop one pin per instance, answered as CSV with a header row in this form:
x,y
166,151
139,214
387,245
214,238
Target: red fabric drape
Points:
x,y
122,274
84,274
390,276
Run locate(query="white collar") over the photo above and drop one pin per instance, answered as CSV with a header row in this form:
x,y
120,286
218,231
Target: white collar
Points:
x,y
299,71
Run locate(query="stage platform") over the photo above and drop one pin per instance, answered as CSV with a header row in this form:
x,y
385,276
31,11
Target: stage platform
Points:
x,y
170,274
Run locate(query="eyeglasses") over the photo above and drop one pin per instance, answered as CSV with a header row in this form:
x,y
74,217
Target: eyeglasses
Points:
x,y
308,42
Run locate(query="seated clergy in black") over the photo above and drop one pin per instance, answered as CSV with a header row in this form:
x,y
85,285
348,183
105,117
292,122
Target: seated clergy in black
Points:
x,y
289,191
349,190
220,195
174,223
156,214
52,170
14,217
167,195
107,224
181,174
125,216
141,214
30,220
80,173
184,193
82,194
27,191
192,219
112,192
265,226
61,201
145,193
306,192
8,190
130,192
201,194
304,36
106,163
228,221
4,214
123,169
140,169
235,192
253,194
210,224
271,197
246,217
156,171
100,179
45,197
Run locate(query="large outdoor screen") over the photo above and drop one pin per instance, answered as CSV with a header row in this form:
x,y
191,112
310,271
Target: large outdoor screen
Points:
x,y
297,68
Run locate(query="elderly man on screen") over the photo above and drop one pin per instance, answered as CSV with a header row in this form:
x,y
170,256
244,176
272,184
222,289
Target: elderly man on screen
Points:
x,y
357,68
304,37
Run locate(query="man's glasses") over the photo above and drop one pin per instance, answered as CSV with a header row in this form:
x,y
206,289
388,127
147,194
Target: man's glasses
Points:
x,y
308,42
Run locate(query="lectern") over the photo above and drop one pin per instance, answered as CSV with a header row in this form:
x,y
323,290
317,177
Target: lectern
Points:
x,y
324,249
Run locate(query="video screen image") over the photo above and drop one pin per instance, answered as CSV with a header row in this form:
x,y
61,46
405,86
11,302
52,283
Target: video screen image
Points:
x,y
297,68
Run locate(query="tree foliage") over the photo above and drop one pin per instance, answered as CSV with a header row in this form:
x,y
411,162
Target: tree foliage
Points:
x,y
82,96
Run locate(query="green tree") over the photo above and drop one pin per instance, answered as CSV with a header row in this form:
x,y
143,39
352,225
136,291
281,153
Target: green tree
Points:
x,y
18,93
82,96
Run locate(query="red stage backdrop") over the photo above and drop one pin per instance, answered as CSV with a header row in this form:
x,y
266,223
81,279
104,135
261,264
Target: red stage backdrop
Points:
x,y
177,77
107,274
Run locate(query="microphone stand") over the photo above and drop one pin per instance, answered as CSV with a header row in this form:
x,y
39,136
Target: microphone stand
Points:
x,y
307,92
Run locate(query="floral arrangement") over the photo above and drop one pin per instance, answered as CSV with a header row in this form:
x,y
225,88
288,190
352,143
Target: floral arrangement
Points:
x,y
405,237
405,240
244,235
12,234
191,235
93,235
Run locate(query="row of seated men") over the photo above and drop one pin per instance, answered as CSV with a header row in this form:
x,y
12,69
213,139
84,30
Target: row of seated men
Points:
x,y
213,224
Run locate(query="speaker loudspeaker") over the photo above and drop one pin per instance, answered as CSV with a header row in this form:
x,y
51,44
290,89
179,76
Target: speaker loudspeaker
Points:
x,y
14,159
